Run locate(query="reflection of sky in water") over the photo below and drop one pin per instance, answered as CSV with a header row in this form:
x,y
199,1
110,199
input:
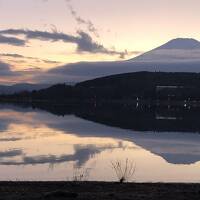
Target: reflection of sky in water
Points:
x,y
37,145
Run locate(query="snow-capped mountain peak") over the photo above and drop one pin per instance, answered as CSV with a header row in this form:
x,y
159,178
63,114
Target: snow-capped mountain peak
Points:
x,y
176,50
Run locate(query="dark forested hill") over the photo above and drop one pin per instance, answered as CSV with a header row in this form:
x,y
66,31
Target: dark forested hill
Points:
x,y
144,78
131,86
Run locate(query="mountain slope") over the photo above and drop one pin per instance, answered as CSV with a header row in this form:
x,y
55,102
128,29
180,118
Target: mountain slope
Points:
x,y
181,43
176,50
178,55
4,89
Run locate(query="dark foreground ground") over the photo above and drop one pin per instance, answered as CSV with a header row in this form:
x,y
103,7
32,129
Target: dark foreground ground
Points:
x,y
97,191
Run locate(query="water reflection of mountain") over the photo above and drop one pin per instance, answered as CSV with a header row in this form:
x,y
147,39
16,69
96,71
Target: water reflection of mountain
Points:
x,y
158,119
175,148
178,143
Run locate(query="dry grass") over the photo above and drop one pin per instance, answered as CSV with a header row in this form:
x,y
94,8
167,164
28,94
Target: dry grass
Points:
x,y
80,174
124,170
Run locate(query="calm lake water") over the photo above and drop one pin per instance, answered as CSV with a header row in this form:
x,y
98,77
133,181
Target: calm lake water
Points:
x,y
39,145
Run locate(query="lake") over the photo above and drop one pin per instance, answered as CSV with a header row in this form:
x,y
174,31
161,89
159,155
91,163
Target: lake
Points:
x,y
42,144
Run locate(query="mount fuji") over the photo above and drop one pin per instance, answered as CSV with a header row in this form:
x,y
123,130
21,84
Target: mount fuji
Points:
x,y
177,55
177,50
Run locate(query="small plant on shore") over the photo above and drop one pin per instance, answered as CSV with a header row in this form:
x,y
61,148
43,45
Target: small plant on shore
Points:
x,y
124,170
80,174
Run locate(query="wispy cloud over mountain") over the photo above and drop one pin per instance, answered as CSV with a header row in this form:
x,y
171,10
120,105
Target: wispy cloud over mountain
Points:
x,y
84,41
12,41
35,59
5,69
80,20
173,56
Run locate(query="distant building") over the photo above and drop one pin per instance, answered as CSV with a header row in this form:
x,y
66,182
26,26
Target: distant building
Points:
x,y
174,92
162,87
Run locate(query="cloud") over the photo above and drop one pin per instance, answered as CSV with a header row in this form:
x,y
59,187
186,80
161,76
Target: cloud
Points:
x,y
14,55
35,59
13,139
81,71
5,69
10,76
12,41
84,41
89,25
80,20
4,66
81,156
10,153
88,70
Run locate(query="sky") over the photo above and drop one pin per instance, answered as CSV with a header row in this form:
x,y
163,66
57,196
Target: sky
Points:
x,y
39,35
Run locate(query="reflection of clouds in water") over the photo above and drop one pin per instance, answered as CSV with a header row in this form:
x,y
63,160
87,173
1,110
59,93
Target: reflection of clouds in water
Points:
x,y
35,142
10,139
16,125
81,155
67,124
10,153
22,126
22,132
4,124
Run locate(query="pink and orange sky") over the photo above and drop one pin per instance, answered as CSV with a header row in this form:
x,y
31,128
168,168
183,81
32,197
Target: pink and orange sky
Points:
x,y
38,35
